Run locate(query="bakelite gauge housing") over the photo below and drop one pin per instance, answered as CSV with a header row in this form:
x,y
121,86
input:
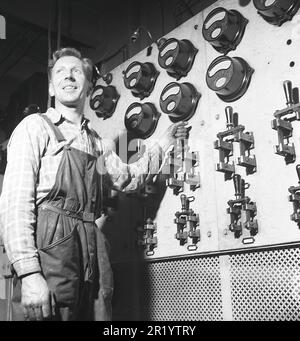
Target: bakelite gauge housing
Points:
x,y
229,77
277,12
176,56
140,78
103,100
141,119
224,29
179,101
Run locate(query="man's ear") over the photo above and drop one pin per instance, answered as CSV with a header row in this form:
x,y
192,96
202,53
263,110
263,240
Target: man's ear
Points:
x,y
90,89
51,89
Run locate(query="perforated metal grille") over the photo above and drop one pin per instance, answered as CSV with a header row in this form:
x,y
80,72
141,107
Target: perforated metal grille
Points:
x,y
182,290
266,285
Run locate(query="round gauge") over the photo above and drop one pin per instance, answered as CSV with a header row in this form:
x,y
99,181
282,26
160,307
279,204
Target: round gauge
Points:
x,y
103,100
141,119
276,12
224,29
140,78
176,56
229,77
179,101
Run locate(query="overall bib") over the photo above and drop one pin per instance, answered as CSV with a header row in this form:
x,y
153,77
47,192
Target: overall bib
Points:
x,y
72,249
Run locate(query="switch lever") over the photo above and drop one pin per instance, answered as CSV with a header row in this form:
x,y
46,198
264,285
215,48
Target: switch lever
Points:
x,y
184,202
229,117
298,172
237,185
288,91
294,197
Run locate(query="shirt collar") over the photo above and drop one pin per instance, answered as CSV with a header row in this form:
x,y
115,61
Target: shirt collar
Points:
x,y
58,118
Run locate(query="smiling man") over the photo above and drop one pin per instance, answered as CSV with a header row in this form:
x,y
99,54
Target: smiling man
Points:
x,y
51,198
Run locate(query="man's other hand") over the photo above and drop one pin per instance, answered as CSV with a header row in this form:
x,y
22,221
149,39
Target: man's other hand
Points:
x,y
36,298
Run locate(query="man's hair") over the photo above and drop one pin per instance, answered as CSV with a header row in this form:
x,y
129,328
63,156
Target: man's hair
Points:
x,y
71,51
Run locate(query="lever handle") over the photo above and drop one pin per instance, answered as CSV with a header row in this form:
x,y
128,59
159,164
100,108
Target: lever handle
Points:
x,y
181,146
243,188
237,184
229,116
298,172
184,202
288,91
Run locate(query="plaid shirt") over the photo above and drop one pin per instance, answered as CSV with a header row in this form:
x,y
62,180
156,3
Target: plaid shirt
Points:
x,y
33,157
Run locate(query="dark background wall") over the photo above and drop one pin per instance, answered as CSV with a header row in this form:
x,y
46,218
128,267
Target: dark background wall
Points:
x,y
101,29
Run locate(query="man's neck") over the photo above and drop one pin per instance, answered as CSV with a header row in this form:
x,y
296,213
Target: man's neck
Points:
x,y
72,114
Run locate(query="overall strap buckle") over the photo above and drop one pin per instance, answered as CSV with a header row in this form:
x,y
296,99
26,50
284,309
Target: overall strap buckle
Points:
x,y
84,216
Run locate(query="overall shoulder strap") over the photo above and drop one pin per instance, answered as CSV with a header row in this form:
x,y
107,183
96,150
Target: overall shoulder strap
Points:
x,y
59,136
94,138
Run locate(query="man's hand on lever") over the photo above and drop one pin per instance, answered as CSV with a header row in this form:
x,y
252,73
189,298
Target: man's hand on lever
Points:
x,y
175,131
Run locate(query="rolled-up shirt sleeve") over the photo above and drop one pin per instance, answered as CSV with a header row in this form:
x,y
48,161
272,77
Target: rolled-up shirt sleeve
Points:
x,y
130,177
18,197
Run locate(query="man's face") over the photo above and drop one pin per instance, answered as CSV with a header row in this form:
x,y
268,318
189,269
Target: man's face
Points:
x,y
68,82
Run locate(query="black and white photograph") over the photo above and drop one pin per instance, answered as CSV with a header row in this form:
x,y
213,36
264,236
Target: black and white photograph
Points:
x,y
150,163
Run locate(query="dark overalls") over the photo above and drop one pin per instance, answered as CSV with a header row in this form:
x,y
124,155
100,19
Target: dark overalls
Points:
x,y
72,249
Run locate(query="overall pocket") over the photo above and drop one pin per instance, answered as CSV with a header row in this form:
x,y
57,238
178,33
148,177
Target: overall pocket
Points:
x,y
60,262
